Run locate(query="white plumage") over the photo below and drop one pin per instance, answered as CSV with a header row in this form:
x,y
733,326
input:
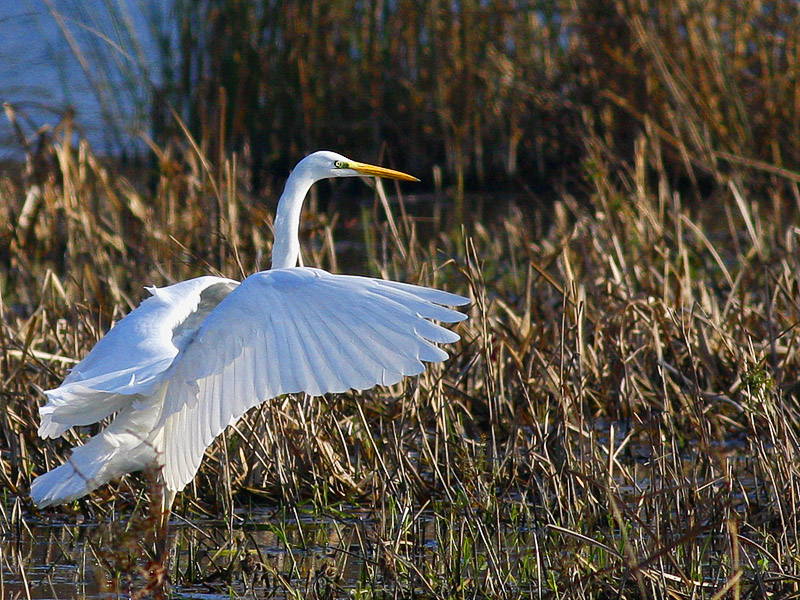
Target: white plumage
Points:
x,y
194,357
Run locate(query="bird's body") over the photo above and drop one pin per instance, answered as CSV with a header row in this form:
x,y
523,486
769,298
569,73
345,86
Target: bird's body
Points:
x,y
196,355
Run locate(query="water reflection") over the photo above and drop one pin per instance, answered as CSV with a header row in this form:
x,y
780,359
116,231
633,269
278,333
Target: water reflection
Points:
x,y
264,553
209,558
261,553
397,549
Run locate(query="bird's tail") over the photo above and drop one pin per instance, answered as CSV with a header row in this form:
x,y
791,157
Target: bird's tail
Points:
x,y
123,447
100,460
82,473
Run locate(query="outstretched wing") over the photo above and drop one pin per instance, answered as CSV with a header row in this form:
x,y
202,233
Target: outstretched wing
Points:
x,y
296,330
133,356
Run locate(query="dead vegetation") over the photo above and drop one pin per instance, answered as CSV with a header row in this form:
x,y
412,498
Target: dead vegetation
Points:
x,y
620,419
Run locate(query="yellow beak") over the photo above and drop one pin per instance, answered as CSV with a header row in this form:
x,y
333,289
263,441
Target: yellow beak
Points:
x,y
372,170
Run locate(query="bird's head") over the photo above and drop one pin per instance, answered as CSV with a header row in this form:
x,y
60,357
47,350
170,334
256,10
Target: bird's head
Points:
x,y
319,165
325,164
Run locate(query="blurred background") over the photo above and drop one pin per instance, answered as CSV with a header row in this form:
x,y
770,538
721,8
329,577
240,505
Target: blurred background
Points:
x,y
490,95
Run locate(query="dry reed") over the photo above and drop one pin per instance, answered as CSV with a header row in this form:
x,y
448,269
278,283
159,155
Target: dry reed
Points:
x,y
621,418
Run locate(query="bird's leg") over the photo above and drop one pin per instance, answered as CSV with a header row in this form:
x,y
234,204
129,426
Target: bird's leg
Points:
x,y
167,497
156,572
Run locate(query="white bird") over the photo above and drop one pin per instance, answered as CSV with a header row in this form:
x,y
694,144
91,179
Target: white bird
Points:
x,y
195,356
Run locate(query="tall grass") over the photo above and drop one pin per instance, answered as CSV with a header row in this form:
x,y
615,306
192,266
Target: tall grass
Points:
x,y
621,417
497,92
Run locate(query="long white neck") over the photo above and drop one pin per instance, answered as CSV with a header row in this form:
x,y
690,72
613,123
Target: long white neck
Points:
x,y
286,249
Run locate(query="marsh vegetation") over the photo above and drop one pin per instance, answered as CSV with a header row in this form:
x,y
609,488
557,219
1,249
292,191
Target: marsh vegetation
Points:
x,y
621,417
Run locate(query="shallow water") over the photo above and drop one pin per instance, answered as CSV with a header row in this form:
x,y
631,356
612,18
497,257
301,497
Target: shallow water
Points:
x,y
78,560
262,553
291,552
40,74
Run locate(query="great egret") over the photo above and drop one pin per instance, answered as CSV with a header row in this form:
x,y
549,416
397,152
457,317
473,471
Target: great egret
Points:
x,y
192,358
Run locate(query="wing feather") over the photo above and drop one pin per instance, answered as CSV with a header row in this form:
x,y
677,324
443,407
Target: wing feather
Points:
x,y
245,385
353,363
272,371
390,342
362,357
295,330
414,303
134,357
285,343
313,369
300,341
213,422
202,430
428,294
393,320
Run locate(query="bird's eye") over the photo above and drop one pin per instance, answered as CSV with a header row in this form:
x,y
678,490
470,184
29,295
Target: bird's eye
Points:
x,y
339,164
